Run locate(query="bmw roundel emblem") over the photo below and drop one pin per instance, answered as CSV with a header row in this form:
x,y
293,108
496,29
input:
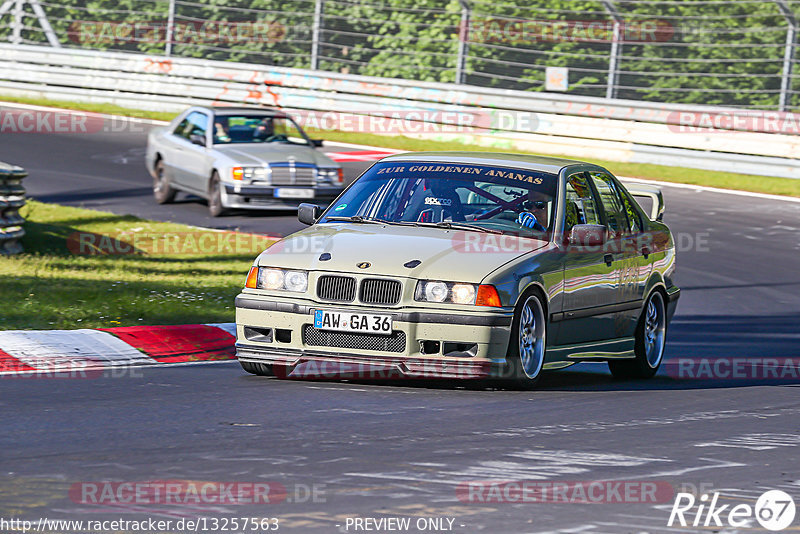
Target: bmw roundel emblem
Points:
x,y
364,265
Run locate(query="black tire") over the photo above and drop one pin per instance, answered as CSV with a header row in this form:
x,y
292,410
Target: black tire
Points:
x,y
260,369
163,193
651,334
215,207
527,346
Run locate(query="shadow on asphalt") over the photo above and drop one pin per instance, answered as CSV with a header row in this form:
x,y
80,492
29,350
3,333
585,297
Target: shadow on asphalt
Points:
x,y
703,352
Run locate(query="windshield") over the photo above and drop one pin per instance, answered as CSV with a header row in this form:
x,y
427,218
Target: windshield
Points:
x,y
257,129
502,199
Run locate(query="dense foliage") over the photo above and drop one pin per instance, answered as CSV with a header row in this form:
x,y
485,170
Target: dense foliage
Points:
x,y
691,51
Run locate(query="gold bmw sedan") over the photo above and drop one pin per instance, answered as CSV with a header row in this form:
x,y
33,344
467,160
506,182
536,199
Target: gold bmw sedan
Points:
x,y
465,265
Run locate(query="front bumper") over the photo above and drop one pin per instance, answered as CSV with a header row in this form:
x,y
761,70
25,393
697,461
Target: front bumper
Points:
x,y
262,196
259,320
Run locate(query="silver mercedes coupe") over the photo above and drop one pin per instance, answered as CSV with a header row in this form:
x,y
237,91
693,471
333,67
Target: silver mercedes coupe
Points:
x,y
240,157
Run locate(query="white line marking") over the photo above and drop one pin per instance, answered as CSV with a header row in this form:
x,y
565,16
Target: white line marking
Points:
x,y
707,189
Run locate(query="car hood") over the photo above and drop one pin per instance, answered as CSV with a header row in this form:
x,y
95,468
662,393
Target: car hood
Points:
x,y
451,255
264,153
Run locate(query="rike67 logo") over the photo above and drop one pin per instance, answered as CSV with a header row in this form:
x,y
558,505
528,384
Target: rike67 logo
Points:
x,y
774,510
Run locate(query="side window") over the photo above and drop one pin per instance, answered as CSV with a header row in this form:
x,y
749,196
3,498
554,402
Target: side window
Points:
x,y
616,219
182,127
581,206
194,123
633,215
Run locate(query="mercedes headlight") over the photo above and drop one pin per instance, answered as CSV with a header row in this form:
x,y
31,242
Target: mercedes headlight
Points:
x,y
333,176
248,174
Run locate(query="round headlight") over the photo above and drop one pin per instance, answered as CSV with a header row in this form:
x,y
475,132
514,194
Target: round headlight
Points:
x,y
296,281
272,278
463,294
435,291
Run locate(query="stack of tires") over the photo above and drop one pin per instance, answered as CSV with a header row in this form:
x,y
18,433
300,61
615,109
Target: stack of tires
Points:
x,y
12,198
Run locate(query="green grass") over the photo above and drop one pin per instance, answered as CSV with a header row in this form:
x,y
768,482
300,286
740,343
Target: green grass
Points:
x,y
683,175
49,287
110,109
725,180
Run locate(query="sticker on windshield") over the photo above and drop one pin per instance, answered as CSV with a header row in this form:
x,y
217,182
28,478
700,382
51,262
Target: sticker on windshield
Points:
x,y
431,201
340,207
519,175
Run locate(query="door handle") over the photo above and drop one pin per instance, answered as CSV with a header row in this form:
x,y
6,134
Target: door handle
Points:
x,y
609,259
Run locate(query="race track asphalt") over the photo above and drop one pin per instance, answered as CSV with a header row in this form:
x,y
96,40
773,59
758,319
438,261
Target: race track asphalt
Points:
x,y
402,449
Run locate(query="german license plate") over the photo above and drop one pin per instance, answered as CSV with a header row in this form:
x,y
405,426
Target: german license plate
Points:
x,y
288,192
364,323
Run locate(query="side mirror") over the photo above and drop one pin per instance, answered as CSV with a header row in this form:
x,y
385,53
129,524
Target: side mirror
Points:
x,y
588,235
317,142
308,213
198,139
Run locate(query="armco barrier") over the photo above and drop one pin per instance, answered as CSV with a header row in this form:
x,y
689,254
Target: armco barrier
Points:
x,y
12,198
588,128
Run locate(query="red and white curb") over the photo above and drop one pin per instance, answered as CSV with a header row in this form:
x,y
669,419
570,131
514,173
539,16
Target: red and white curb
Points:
x,y
32,352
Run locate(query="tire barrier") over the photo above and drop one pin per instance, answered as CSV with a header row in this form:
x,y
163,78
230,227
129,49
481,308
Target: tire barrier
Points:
x,y
12,198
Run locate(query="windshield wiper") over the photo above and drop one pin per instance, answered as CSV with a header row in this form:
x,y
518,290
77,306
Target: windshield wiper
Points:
x,y
458,226
445,224
356,219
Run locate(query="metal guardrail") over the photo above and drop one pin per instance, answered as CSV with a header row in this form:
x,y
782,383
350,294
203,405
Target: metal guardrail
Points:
x,y
584,127
12,198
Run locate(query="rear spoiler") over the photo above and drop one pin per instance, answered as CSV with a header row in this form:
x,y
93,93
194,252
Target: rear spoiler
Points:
x,y
652,192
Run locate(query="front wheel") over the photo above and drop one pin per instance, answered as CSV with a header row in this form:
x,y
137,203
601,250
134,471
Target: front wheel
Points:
x,y
215,207
527,347
651,336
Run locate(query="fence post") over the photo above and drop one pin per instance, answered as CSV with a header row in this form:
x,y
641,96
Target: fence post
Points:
x,y
41,16
316,31
616,48
463,42
170,28
788,54
16,23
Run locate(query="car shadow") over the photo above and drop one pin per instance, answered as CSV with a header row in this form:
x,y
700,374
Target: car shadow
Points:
x,y
703,352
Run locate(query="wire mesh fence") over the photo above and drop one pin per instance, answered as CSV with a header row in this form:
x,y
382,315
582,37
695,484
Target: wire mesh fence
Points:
x,y
717,52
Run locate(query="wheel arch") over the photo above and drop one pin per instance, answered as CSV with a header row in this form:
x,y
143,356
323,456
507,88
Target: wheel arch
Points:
x,y
532,288
654,285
